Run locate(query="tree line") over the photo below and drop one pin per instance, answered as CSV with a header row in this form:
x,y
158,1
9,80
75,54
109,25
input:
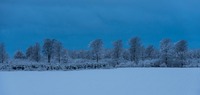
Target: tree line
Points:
x,y
52,51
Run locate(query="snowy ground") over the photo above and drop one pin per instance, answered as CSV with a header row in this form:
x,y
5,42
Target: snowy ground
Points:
x,y
128,81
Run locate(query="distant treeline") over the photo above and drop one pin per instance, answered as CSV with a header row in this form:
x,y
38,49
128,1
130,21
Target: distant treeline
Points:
x,y
169,54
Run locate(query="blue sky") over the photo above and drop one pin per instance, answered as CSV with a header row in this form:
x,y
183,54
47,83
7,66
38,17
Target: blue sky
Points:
x,y
77,22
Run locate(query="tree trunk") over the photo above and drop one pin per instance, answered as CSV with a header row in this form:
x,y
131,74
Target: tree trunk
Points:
x,y
59,58
97,58
49,58
166,61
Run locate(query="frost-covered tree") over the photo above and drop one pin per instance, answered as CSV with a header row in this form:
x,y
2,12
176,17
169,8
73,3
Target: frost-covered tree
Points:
x,y
181,49
107,53
64,56
96,48
58,48
149,51
72,54
3,54
88,54
80,54
142,53
33,52
48,49
134,49
156,54
166,50
126,54
36,52
29,52
19,55
194,54
117,50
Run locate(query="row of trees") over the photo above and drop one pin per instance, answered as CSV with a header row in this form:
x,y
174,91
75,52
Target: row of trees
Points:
x,y
53,50
3,54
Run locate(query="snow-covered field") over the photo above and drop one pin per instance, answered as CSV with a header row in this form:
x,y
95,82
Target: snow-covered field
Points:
x,y
127,81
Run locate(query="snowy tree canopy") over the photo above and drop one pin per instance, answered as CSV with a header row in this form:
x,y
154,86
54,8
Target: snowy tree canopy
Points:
x,y
150,52
137,55
166,50
58,49
19,55
117,50
96,48
48,48
134,49
3,54
181,49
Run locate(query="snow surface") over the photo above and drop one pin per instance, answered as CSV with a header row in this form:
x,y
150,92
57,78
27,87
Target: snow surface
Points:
x,y
127,81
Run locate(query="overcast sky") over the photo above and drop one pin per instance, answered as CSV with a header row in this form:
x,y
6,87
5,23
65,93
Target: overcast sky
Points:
x,y
77,22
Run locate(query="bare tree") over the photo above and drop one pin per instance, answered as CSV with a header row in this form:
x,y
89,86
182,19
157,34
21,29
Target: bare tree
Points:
x,y
107,53
33,52
150,52
48,49
117,50
181,49
134,49
19,55
29,52
96,47
58,48
142,53
64,56
3,54
126,54
194,54
36,52
166,50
